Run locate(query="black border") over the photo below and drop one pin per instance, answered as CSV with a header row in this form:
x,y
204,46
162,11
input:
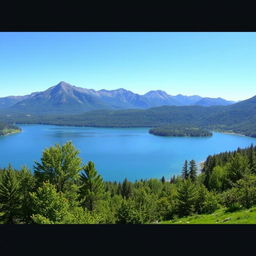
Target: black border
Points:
x,y
129,239
133,239
123,16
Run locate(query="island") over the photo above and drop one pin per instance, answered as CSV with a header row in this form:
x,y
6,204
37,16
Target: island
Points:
x,y
180,131
6,129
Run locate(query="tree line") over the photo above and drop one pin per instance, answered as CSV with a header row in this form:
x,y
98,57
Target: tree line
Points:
x,y
180,131
63,190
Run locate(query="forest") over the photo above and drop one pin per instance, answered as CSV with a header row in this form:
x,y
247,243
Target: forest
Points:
x,y
180,131
237,118
63,190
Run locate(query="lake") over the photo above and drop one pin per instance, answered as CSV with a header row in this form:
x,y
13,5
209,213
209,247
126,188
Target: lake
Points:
x,y
117,152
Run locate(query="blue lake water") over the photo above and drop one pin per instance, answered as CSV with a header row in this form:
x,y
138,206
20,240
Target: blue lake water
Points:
x,y
117,152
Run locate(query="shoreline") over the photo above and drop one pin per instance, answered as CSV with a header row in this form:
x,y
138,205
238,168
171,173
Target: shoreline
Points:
x,y
234,133
12,132
149,127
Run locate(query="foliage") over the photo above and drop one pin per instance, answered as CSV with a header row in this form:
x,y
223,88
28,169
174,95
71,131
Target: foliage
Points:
x,y
10,196
128,214
57,194
243,194
218,178
206,202
185,173
126,189
186,198
48,204
192,170
145,204
27,186
92,187
237,168
180,131
60,166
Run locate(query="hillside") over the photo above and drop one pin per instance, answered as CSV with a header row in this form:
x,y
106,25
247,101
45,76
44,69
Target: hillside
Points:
x,y
120,118
246,216
239,117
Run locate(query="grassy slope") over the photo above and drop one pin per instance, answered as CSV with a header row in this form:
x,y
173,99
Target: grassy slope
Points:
x,y
219,217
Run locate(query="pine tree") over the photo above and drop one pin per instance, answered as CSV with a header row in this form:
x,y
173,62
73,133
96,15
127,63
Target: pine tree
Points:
x,y
92,187
60,166
237,167
119,188
186,198
126,189
27,185
173,179
163,179
252,159
192,170
185,173
10,197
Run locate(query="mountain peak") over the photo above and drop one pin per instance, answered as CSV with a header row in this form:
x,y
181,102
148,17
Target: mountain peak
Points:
x,y
158,93
121,90
63,84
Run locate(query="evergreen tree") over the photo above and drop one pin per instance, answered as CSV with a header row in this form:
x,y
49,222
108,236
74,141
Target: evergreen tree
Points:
x,y
119,188
127,213
126,189
60,166
237,167
27,185
10,197
252,159
185,173
192,170
153,186
163,179
186,198
218,179
92,187
173,179
145,203
48,205
246,191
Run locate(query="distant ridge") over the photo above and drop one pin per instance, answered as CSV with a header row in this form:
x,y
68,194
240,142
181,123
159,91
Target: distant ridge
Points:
x,y
66,98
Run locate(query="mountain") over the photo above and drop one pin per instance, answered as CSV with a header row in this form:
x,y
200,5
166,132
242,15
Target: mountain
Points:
x,y
160,98
6,102
187,100
121,99
213,102
64,98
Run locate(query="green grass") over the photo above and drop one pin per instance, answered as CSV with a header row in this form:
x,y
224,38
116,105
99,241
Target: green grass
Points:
x,y
247,216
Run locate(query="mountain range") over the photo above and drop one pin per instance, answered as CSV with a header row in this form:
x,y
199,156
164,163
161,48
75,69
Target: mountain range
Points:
x,y
64,98
64,104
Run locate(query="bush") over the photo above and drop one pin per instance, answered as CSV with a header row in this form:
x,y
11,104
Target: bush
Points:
x,y
210,204
231,200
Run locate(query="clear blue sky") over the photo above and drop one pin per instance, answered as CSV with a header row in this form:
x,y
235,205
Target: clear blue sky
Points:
x,y
206,64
